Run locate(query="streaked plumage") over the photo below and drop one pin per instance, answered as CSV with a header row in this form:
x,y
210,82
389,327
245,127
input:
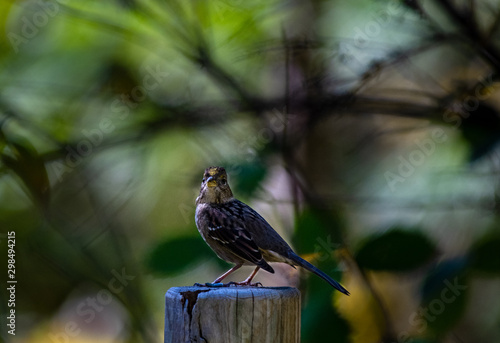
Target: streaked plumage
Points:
x,y
238,234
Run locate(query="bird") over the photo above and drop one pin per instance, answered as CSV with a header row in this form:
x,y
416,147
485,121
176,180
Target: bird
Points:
x,y
241,236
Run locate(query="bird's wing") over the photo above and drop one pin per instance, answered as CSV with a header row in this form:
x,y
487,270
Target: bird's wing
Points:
x,y
264,235
238,240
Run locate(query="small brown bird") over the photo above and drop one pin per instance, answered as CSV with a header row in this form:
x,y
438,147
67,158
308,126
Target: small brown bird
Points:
x,y
239,235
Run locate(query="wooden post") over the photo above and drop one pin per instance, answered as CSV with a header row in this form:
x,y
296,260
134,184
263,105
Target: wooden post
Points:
x,y
232,314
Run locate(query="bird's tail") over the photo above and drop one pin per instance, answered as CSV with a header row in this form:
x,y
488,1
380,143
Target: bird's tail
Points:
x,y
304,264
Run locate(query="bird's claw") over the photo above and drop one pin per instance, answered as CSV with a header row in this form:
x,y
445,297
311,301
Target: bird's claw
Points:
x,y
209,284
229,284
257,284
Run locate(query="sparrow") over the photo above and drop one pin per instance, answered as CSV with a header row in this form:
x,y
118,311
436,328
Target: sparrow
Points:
x,y
239,235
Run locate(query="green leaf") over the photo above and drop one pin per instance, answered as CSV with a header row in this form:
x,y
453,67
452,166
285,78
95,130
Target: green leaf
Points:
x,y
395,250
316,232
481,130
485,255
24,161
444,297
175,255
318,313
246,177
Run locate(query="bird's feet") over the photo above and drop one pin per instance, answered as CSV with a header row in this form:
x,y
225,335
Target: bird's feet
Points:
x,y
210,284
229,284
245,283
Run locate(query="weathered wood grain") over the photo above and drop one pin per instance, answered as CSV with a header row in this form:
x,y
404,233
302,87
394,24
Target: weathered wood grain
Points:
x,y
232,314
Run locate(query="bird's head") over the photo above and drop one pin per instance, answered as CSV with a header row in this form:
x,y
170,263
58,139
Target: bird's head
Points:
x,y
214,187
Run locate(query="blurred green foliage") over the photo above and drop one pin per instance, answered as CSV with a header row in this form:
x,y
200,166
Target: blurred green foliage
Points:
x,y
484,254
319,314
164,259
110,112
445,293
396,250
250,176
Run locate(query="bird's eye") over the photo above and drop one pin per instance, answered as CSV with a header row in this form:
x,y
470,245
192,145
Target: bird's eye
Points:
x,y
223,181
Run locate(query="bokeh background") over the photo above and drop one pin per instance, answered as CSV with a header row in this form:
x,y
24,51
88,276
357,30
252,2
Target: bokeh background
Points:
x,y
366,132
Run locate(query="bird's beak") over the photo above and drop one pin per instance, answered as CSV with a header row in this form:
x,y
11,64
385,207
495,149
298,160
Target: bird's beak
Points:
x,y
211,182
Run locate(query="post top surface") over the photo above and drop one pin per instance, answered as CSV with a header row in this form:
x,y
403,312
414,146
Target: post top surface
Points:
x,y
241,291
